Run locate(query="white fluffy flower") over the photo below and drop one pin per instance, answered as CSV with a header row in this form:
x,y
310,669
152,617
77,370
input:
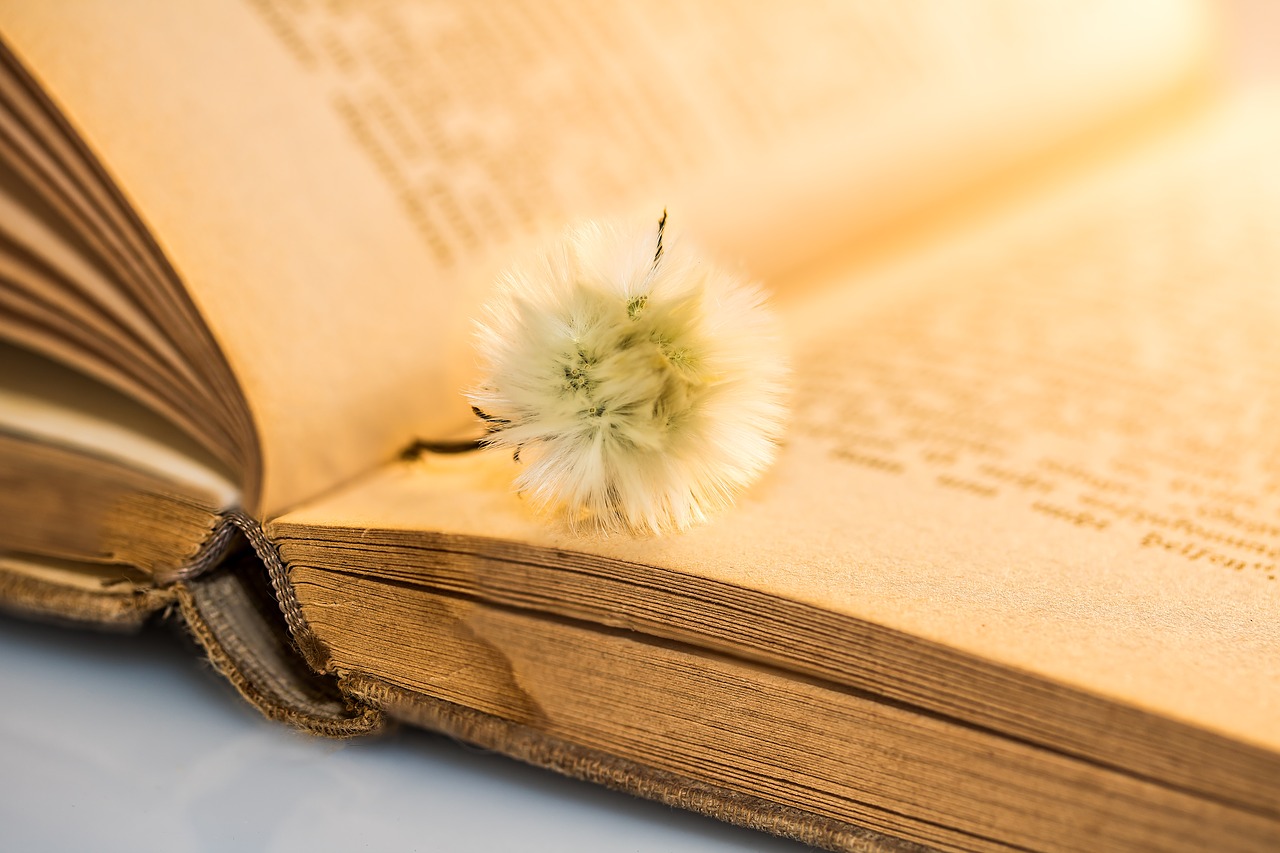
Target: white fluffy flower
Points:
x,y
639,387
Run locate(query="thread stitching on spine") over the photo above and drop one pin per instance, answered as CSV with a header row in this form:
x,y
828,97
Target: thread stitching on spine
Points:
x,y
211,554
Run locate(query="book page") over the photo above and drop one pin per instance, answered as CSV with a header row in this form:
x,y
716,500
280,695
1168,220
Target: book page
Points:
x,y
334,182
1048,442
45,402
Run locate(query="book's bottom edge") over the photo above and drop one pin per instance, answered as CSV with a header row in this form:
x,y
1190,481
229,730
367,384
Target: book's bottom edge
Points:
x,y
569,759
234,617
44,601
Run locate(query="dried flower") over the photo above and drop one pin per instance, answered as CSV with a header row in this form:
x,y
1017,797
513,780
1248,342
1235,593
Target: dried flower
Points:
x,y
639,387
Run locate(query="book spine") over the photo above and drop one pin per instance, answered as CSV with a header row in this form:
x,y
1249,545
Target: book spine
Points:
x,y
249,623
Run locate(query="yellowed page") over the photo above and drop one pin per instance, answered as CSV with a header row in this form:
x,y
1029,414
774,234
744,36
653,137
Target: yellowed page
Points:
x,y
331,181
1048,442
44,402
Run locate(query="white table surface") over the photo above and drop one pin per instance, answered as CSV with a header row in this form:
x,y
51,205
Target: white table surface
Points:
x,y
133,743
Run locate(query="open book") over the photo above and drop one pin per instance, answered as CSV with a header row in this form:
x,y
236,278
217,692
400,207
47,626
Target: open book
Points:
x,y
1013,581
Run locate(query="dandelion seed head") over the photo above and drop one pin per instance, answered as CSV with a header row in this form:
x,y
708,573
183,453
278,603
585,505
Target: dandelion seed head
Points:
x,y
639,386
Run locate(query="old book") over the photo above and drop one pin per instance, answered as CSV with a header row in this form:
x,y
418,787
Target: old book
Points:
x,y
1012,581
